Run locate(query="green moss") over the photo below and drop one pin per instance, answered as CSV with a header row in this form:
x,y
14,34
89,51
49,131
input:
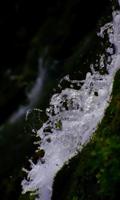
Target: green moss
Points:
x,y
28,196
58,125
95,172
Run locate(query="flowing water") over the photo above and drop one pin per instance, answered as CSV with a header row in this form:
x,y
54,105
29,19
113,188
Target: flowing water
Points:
x,y
33,95
73,115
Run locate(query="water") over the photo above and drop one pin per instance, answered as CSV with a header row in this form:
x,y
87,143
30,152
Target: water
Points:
x,y
33,95
73,115
63,37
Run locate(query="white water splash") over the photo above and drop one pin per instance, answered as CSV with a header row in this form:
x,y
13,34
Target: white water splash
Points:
x,y
73,117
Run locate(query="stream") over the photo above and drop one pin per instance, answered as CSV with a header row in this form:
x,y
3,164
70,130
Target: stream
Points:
x,y
53,101
73,115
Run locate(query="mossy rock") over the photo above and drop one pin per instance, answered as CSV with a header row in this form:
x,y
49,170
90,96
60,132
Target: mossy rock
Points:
x,y
40,153
58,125
28,196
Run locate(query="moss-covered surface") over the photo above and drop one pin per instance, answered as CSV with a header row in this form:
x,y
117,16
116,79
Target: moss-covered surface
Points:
x,y
28,196
95,172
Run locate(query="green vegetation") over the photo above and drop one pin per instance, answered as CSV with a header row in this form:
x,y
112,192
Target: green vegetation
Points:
x,y
58,125
28,196
95,172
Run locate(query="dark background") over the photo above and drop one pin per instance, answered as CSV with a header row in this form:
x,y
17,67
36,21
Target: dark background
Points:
x,y
20,20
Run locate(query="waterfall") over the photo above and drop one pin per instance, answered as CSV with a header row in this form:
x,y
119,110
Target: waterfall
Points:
x,y
73,116
33,95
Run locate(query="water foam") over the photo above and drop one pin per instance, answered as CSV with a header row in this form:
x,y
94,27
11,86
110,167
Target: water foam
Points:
x,y
73,116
